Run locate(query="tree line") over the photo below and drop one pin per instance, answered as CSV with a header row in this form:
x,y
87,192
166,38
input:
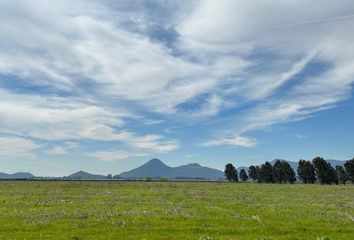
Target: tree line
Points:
x,y
317,170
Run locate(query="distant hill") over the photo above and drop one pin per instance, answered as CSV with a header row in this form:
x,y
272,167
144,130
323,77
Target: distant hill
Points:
x,y
155,168
18,175
336,162
194,170
81,175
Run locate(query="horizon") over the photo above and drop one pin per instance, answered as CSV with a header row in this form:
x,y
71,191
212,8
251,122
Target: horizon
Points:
x,y
176,166
104,85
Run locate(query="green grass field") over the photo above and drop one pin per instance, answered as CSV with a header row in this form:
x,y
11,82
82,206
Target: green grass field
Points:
x,y
169,210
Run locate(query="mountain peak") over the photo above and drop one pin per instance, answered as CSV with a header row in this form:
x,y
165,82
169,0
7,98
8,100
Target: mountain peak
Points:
x,y
154,161
85,175
194,165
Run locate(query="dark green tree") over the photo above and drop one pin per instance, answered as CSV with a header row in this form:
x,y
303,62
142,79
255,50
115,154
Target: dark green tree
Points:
x,y
243,175
342,175
306,172
253,173
258,171
333,176
266,173
291,175
349,167
231,173
279,171
323,170
282,172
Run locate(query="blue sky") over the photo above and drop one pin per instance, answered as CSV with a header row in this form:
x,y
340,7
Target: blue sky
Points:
x,y
103,86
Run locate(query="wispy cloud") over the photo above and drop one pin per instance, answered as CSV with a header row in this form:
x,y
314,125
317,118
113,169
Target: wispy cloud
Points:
x,y
299,136
57,151
237,141
114,155
66,148
82,73
17,147
152,142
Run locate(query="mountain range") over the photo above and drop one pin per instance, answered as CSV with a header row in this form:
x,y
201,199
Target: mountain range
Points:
x,y
155,169
18,175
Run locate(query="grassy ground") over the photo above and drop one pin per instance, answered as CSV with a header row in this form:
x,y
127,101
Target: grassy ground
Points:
x,y
168,210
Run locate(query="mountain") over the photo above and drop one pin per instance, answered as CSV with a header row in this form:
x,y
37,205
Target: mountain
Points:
x,y
155,168
194,170
18,175
336,162
81,175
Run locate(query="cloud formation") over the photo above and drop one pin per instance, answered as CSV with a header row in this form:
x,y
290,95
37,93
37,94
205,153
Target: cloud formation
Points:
x,y
17,147
235,142
112,71
114,155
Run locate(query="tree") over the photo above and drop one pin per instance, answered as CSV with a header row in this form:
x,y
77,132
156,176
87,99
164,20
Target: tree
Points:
x,y
306,171
258,171
323,170
243,175
253,173
291,175
231,173
349,167
266,173
342,175
282,172
333,176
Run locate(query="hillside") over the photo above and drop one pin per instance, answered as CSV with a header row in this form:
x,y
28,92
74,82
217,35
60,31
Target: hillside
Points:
x,y
155,168
18,175
82,175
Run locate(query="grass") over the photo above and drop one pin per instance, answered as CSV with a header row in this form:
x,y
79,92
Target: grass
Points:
x,y
170,210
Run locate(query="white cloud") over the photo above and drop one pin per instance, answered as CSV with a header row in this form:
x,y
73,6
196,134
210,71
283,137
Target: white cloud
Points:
x,y
17,147
211,107
114,155
292,36
237,141
64,149
66,119
237,56
57,151
153,122
262,86
69,49
299,136
57,118
155,143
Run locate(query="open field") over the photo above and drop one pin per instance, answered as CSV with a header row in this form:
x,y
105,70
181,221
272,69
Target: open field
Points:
x,y
170,210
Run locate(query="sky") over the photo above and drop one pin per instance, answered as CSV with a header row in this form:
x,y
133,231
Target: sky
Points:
x,y
103,86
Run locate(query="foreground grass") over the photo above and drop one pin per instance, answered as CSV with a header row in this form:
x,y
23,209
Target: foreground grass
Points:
x,y
169,210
